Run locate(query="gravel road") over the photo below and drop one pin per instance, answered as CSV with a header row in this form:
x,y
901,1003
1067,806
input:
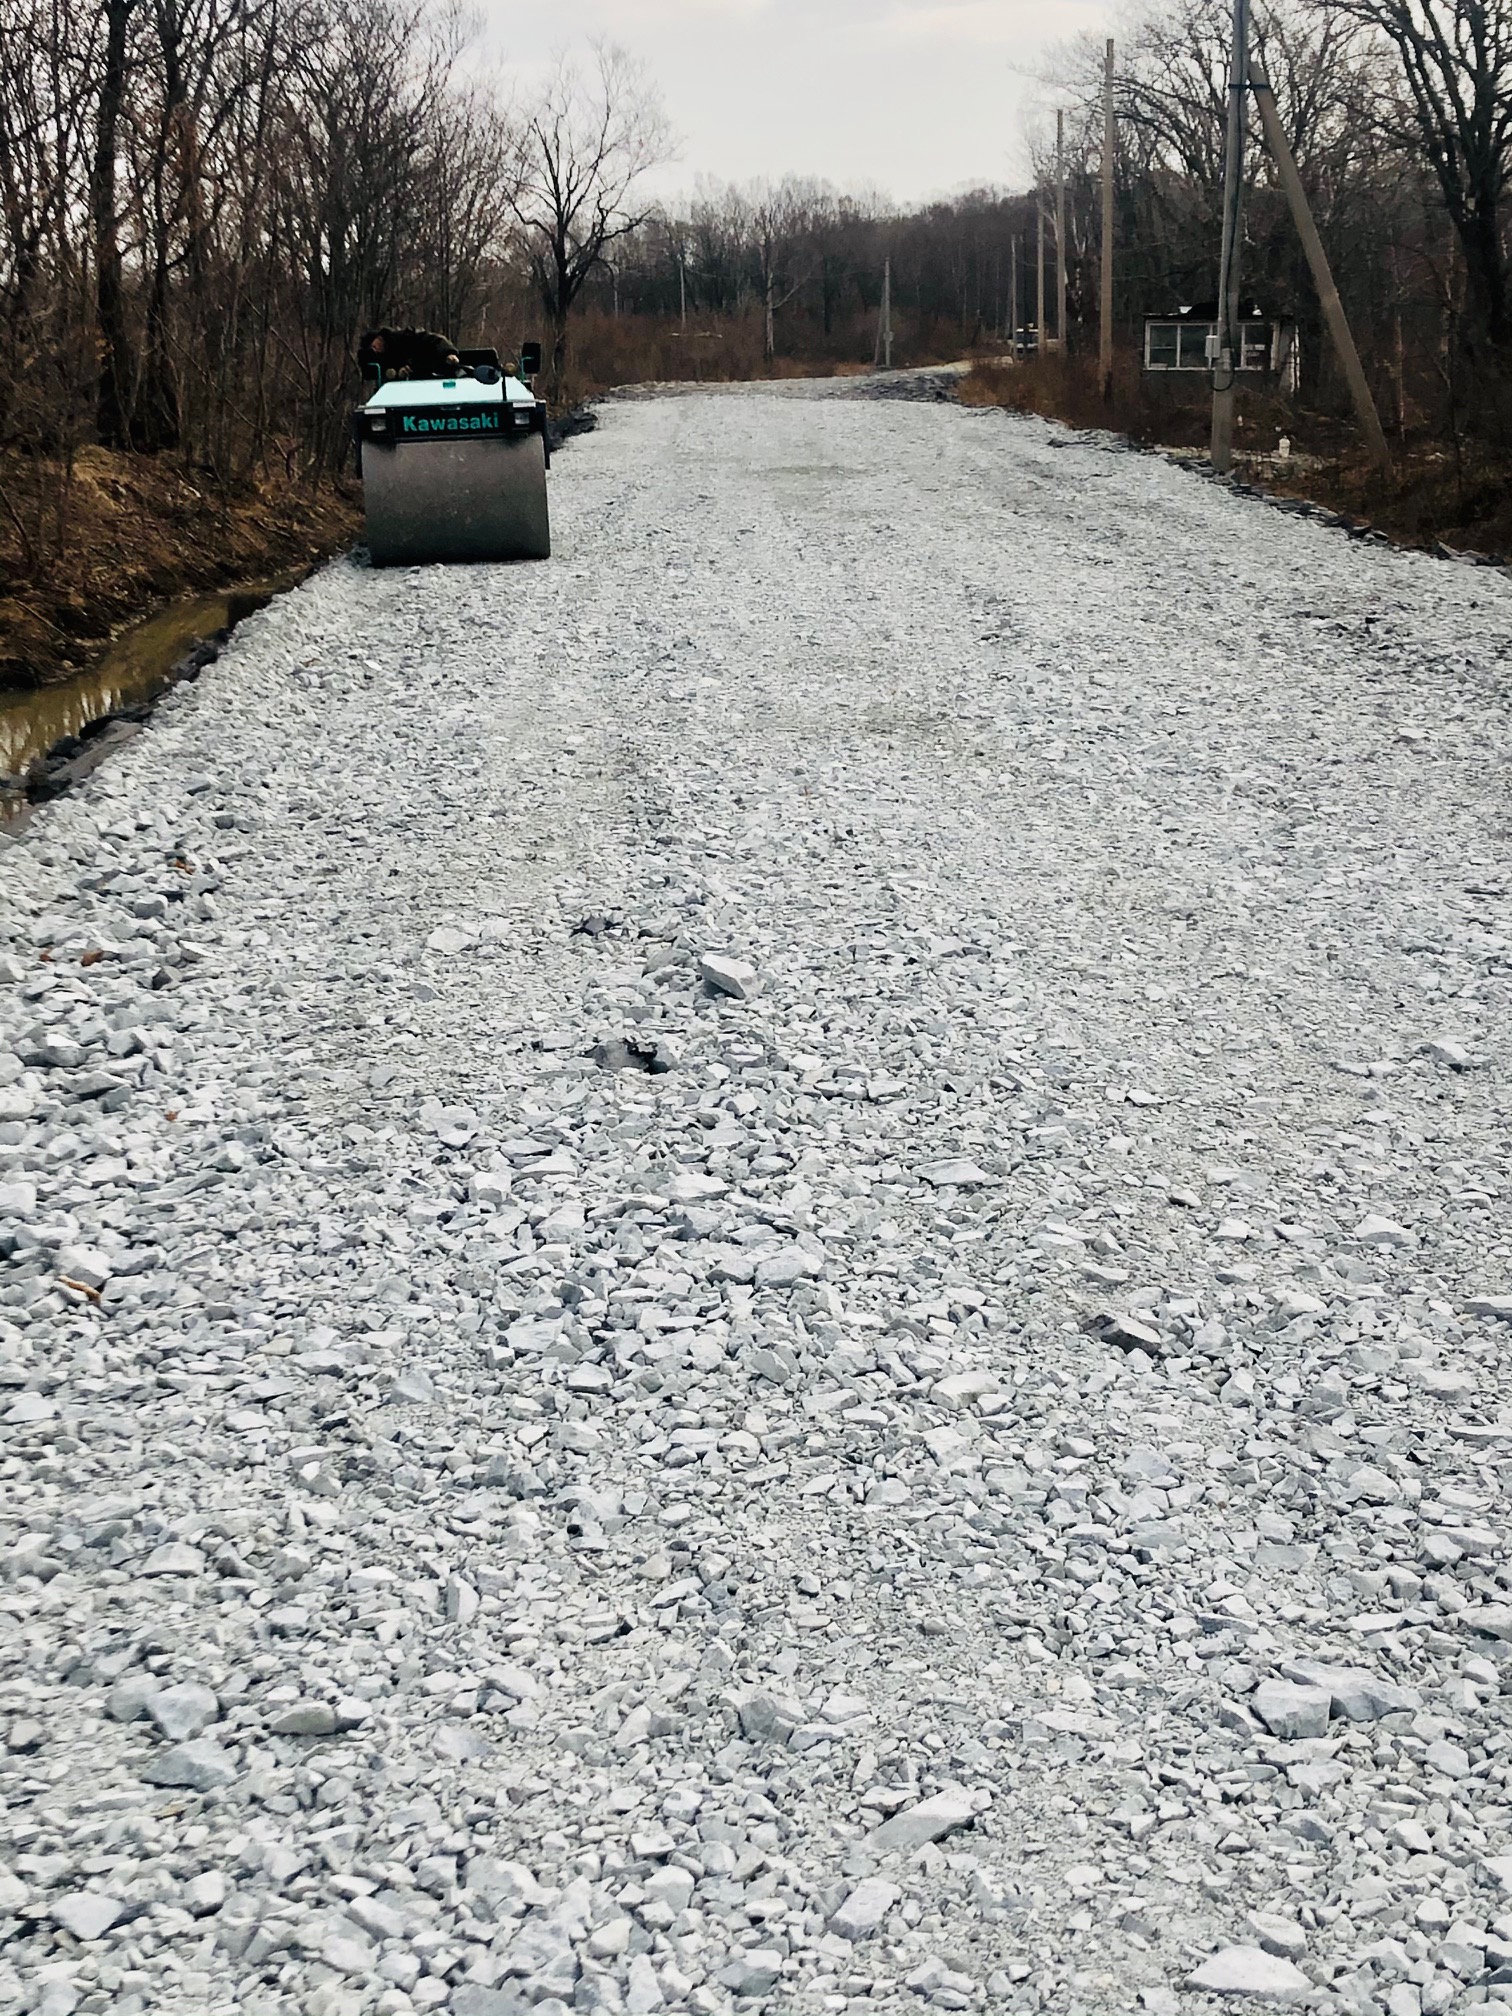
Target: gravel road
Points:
x,y
979,1481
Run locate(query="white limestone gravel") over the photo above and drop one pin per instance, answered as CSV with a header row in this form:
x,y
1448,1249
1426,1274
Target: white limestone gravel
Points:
x,y
973,1471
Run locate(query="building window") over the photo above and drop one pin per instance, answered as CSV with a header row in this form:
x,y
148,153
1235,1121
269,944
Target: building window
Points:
x,y
1194,344
1255,347
1177,346
1162,341
1183,346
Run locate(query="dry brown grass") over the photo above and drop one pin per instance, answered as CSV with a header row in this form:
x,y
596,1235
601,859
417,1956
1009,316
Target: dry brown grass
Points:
x,y
1154,411
88,548
1434,496
1432,499
608,351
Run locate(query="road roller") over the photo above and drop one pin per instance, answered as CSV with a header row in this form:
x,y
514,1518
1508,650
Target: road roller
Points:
x,y
452,451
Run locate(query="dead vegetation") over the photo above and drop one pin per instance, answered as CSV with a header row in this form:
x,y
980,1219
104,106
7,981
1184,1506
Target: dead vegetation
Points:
x,y
98,541
642,349
1457,495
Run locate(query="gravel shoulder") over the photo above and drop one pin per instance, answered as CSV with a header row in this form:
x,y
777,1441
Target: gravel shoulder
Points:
x,y
980,1480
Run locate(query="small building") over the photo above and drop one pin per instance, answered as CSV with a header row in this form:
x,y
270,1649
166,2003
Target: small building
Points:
x,y
1185,339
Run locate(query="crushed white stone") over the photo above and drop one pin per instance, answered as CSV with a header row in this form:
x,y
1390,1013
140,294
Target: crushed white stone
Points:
x,y
765,1272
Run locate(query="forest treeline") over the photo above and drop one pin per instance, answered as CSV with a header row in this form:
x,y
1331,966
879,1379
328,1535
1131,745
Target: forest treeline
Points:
x,y
204,199
204,202
1400,116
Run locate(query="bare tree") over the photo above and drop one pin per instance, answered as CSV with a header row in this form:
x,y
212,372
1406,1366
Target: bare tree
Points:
x,y
186,91
719,226
460,197
582,151
48,55
363,83
1456,105
781,217
114,396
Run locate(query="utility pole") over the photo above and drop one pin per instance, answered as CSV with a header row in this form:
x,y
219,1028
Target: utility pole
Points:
x,y
1105,305
1317,259
682,288
1226,363
883,353
1013,299
1060,230
1039,297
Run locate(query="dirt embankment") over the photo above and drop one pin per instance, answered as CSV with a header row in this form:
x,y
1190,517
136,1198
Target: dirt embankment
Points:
x,y
87,549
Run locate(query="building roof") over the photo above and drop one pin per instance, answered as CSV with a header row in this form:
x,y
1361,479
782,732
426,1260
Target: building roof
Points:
x,y
1207,311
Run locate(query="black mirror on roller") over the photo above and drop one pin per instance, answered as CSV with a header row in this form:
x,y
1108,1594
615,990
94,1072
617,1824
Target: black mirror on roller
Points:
x,y
530,360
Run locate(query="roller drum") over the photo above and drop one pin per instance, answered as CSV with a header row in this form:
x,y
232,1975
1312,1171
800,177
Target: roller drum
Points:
x,y
456,500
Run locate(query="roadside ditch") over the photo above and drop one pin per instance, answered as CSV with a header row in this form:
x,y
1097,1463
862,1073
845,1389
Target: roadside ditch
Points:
x,y
55,731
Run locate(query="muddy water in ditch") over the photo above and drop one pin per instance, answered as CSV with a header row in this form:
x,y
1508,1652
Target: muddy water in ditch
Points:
x,y
138,666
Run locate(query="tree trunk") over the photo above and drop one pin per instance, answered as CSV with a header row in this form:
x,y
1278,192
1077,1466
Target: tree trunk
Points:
x,y
17,318
558,350
562,292
176,162
156,424
1485,272
113,389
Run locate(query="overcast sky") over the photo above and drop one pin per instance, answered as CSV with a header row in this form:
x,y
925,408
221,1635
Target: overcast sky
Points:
x,y
914,98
